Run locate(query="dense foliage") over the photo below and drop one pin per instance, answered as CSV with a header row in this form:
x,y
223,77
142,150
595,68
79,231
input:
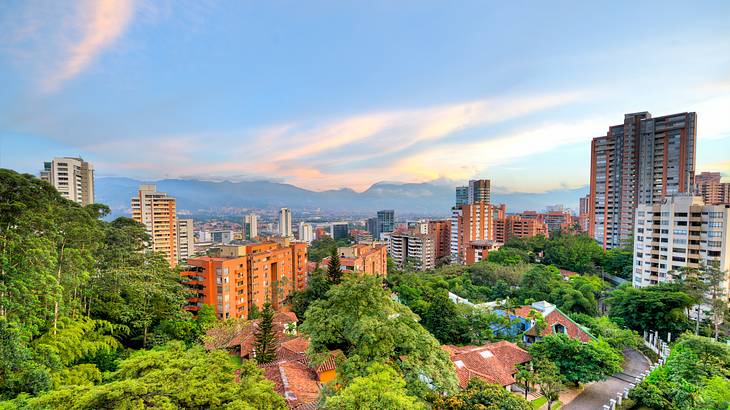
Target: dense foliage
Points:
x,y
480,395
362,320
578,362
695,376
662,307
381,387
168,377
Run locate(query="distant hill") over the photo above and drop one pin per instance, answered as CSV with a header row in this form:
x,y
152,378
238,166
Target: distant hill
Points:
x,y
412,198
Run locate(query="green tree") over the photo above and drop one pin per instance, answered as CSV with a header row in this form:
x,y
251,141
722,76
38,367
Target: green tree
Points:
x,y
578,362
361,319
526,375
551,382
334,270
579,253
539,282
661,307
380,388
616,336
316,289
480,395
265,344
321,248
201,380
509,256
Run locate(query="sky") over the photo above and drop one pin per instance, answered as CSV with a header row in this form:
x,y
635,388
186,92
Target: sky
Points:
x,y
332,94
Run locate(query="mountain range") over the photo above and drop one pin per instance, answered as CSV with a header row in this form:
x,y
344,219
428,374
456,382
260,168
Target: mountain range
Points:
x,y
432,199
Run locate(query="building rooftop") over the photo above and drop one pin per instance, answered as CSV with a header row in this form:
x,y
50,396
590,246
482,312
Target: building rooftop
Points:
x,y
492,362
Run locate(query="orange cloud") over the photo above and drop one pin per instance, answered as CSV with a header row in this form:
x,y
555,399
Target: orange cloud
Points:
x,y
99,24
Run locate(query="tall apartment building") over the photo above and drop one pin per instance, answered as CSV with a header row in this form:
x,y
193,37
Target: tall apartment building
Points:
x,y
250,227
462,195
441,232
638,162
246,275
479,190
158,213
584,208
339,230
72,177
679,232
383,222
305,232
413,248
713,191
185,239
285,223
473,222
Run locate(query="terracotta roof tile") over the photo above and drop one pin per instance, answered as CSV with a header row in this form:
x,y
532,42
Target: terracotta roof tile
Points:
x,y
493,362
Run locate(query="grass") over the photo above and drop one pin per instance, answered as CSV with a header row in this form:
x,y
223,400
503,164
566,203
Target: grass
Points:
x,y
541,401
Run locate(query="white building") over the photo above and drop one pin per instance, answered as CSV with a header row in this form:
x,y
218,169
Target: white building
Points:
x,y
285,222
305,233
250,226
72,177
185,239
414,248
679,232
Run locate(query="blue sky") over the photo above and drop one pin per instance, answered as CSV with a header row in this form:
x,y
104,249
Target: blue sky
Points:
x,y
344,94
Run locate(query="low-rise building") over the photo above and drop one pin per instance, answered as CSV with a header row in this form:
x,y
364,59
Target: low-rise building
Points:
x,y
244,275
415,249
495,363
478,251
362,258
553,321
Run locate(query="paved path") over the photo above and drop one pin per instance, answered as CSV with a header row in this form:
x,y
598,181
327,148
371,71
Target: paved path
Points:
x,y
595,395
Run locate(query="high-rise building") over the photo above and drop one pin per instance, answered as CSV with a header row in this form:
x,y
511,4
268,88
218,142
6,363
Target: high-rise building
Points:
x,y
441,232
638,162
413,248
285,223
72,177
250,227
242,276
479,191
384,222
185,239
158,213
713,191
584,208
680,232
305,232
339,230
473,222
462,195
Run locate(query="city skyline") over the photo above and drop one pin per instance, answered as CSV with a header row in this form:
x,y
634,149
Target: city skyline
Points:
x,y
272,92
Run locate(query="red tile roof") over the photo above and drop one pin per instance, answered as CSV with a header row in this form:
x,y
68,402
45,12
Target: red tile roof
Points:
x,y
295,381
493,362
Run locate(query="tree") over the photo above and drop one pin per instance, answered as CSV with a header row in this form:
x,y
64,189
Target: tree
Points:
x,y
334,270
527,375
579,253
316,289
380,388
551,382
616,336
265,344
169,377
660,307
480,395
578,362
539,282
619,261
361,319
509,256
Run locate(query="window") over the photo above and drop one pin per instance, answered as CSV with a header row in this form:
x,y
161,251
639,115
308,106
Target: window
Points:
x,y
558,328
714,234
680,232
716,224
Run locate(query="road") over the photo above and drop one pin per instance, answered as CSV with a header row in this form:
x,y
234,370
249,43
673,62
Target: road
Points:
x,y
595,395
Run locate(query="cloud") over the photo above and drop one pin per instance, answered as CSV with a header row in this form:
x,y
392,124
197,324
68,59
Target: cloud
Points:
x,y
99,24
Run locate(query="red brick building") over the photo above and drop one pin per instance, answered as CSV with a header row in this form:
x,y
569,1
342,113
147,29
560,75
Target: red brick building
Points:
x,y
242,276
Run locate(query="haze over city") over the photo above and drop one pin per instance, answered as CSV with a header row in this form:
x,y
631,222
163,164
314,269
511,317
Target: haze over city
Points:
x,y
327,95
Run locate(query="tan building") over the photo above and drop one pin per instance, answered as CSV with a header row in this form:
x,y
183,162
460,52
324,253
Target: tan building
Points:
x,y
416,249
680,232
708,185
72,177
185,239
362,258
158,213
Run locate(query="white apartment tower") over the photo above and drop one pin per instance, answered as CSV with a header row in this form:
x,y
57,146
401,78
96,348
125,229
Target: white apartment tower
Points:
x,y
679,232
157,212
250,226
72,177
306,233
185,239
285,223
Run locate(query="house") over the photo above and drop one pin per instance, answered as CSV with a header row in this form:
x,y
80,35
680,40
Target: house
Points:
x,y
295,376
554,321
493,362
